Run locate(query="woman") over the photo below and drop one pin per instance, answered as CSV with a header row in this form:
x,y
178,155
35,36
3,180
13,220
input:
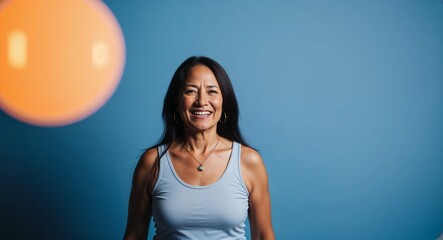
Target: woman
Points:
x,y
202,180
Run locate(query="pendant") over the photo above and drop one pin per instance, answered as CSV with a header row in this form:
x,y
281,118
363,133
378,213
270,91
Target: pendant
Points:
x,y
200,168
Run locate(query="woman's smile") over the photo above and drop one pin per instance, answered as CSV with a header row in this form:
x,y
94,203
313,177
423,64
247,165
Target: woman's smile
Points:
x,y
201,114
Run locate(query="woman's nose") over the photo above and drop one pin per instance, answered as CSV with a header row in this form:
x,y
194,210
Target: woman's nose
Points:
x,y
202,99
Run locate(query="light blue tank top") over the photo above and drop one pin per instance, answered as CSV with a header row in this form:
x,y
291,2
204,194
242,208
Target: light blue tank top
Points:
x,y
216,211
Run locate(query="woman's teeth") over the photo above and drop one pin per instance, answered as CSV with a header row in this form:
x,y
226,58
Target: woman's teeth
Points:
x,y
201,112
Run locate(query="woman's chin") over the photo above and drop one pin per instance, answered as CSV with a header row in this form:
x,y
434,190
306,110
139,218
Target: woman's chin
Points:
x,y
203,126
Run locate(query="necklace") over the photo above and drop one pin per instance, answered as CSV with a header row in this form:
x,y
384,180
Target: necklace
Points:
x,y
200,167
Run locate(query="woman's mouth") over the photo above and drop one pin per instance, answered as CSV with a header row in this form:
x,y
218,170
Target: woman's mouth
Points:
x,y
201,113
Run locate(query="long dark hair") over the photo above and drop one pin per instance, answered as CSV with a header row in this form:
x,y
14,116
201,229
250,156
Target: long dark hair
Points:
x,y
174,129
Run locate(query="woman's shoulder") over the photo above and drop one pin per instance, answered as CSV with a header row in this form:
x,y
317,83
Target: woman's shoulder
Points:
x,y
149,154
250,157
148,158
252,166
147,169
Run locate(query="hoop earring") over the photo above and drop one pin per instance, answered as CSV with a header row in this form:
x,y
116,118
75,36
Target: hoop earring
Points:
x,y
224,120
175,119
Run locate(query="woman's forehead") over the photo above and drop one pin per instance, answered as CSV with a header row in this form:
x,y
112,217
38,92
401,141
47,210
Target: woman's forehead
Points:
x,y
201,74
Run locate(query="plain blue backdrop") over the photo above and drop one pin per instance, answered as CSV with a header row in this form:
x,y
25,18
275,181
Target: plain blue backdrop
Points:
x,y
344,100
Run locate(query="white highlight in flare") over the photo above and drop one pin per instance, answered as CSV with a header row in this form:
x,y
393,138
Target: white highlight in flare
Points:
x,y
99,54
17,49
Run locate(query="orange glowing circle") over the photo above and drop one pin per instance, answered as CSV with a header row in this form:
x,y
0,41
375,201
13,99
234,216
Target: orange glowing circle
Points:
x,y
60,60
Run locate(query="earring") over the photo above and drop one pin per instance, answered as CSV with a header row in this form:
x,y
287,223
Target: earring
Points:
x,y
224,120
175,119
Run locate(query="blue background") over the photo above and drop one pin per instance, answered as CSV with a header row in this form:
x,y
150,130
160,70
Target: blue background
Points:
x,y
344,100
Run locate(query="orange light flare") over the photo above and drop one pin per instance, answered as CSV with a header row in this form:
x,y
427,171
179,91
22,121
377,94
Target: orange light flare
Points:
x,y
60,60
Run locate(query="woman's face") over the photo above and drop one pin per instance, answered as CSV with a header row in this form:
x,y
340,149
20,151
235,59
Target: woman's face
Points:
x,y
201,100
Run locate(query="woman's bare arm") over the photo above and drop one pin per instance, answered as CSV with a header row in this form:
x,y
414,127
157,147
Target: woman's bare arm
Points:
x,y
139,211
256,179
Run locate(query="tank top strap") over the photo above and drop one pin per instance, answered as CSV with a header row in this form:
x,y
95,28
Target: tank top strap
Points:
x,y
162,158
234,171
234,158
162,152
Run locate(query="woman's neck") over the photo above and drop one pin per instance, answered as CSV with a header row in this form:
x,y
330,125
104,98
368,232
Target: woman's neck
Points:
x,y
201,142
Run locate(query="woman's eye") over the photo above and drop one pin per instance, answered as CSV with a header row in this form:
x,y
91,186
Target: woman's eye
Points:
x,y
190,91
212,92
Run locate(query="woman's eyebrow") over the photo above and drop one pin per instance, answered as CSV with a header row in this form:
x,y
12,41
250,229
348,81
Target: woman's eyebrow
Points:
x,y
196,86
191,85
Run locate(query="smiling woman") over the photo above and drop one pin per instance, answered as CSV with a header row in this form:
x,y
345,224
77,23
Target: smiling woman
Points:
x,y
202,180
201,102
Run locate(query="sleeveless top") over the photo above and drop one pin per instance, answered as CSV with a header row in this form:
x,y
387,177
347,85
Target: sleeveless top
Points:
x,y
215,211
